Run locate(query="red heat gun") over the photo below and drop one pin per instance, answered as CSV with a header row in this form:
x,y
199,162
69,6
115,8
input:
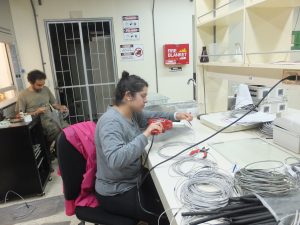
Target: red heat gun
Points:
x,y
166,124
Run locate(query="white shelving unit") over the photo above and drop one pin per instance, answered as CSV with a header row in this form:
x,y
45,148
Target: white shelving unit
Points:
x,y
262,29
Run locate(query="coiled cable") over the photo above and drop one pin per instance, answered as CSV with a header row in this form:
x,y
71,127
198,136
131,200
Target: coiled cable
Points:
x,y
197,164
206,190
162,150
266,182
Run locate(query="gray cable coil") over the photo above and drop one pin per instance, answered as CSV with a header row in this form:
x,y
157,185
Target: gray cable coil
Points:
x,y
266,182
201,164
194,197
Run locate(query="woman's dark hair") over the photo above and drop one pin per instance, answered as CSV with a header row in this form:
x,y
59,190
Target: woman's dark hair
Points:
x,y
131,83
35,75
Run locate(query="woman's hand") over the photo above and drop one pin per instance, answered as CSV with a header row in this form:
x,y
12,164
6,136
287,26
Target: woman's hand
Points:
x,y
184,116
152,127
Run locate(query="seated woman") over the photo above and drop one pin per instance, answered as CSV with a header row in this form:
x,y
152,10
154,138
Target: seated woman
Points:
x,y
121,137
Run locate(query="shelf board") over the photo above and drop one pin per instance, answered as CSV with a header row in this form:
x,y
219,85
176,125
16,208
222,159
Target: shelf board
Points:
x,y
274,66
222,64
273,52
225,19
272,3
258,65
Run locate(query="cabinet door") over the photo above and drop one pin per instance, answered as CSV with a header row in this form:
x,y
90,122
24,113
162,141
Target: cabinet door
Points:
x,y
17,163
5,22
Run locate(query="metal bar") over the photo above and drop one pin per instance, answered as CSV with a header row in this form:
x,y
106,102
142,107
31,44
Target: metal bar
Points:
x,y
59,52
52,58
90,85
69,65
106,63
88,30
96,39
85,72
67,55
55,21
113,52
62,71
77,66
70,39
98,53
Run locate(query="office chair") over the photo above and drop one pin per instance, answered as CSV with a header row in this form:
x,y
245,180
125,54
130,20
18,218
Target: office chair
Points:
x,y
72,167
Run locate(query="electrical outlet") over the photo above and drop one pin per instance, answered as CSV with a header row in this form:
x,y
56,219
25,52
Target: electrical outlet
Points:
x,y
287,73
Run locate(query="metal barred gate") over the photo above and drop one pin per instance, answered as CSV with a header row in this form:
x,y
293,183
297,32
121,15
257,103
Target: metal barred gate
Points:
x,y
83,61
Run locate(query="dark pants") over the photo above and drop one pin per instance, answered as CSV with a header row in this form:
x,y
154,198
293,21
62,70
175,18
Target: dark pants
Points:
x,y
127,204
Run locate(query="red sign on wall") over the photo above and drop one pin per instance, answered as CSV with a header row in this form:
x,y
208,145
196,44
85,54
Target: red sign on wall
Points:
x,y
176,54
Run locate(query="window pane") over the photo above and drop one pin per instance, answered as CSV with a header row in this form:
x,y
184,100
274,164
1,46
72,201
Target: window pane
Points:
x,y
5,72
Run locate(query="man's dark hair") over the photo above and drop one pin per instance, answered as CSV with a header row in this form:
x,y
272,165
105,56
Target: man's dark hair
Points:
x,y
35,75
131,83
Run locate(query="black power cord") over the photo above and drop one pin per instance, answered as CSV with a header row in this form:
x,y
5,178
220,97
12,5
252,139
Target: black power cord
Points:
x,y
141,175
148,151
291,78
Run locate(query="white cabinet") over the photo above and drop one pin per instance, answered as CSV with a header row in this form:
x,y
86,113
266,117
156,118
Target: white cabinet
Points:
x,y
248,40
6,27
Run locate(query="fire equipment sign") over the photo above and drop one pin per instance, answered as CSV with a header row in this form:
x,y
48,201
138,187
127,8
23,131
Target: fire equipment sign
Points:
x,y
132,52
131,28
176,54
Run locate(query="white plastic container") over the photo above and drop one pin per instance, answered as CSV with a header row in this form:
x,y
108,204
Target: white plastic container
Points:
x,y
286,132
189,107
156,99
286,139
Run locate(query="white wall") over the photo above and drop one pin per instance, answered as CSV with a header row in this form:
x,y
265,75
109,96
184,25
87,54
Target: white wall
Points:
x,y
173,25
173,20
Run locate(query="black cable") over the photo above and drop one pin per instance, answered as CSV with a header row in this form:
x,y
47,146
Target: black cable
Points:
x,y
148,151
254,219
292,77
225,214
141,175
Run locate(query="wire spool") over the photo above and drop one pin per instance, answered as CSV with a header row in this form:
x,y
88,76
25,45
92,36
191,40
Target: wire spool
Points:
x,y
206,190
265,178
187,167
292,168
267,129
293,219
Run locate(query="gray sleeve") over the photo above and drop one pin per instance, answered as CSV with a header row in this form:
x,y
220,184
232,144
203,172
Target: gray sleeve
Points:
x,y
118,153
143,117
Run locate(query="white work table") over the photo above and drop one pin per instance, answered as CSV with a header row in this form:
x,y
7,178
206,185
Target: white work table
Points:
x,y
165,179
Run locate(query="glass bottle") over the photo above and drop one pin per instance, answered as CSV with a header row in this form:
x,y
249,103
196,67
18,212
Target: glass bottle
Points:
x,y
204,56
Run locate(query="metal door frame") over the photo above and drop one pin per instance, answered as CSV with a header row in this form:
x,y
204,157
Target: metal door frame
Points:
x,y
87,85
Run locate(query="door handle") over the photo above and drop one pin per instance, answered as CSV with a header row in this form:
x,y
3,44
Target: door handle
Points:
x,y
193,81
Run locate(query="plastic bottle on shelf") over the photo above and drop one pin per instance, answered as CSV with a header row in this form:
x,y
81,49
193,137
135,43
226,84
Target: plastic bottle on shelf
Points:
x,y
238,57
204,56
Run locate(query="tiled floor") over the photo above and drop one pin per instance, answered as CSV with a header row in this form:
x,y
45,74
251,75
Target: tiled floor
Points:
x,y
53,188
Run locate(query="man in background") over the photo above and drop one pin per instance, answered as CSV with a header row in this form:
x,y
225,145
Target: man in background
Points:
x,y
37,100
